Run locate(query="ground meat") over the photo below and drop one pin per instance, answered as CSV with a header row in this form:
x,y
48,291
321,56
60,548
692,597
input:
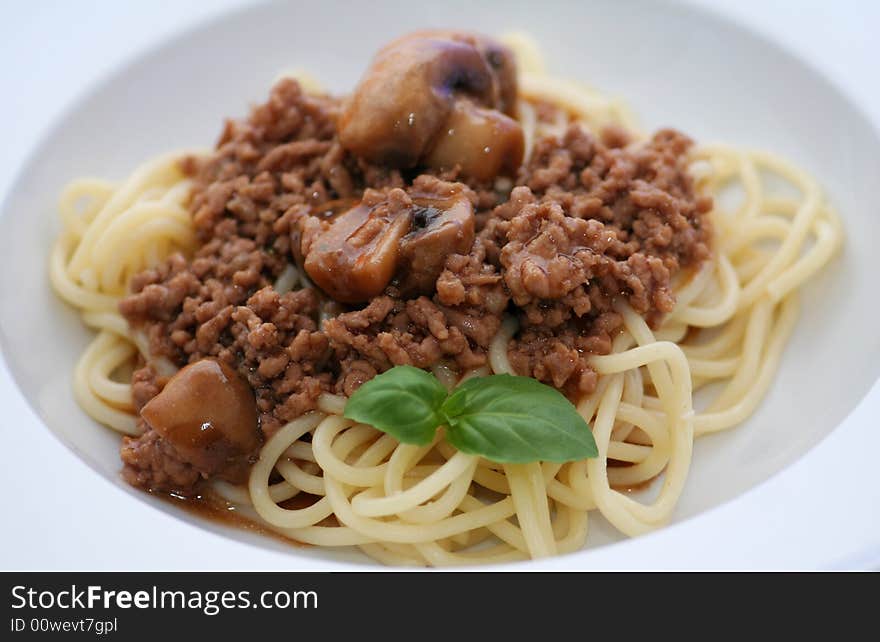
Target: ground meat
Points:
x,y
469,280
593,222
418,332
150,462
559,356
145,384
589,220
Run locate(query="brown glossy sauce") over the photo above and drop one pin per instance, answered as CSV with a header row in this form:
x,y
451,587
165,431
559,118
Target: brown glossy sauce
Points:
x,y
213,508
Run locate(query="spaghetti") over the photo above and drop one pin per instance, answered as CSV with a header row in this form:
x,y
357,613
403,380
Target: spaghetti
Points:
x,y
431,505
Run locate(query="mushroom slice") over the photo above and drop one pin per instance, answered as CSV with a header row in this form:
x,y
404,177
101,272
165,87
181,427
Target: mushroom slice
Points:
x,y
442,225
356,256
207,412
500,58
482,142
406,96
312,221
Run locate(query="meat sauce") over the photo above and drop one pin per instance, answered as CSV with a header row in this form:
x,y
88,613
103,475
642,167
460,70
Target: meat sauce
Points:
x,y
413,258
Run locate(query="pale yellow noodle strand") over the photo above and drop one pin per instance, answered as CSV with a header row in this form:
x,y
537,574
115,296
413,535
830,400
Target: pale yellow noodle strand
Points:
x,y
102,412
746,404
407,533
258,482
532,516
113,392
400,501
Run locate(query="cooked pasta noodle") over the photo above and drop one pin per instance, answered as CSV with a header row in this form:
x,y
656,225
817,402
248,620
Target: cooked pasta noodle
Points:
x,y
431,505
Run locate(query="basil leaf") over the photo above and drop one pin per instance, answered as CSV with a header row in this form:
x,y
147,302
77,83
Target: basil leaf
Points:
x,y
511,419
403,402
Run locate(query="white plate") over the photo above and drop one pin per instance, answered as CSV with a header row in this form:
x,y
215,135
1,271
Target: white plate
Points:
x,y
690,70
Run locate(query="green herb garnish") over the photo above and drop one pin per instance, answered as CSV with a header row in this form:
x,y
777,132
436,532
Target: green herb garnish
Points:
x,y
503,418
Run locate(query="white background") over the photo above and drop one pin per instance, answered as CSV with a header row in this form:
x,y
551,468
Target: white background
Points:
x,y
53,51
